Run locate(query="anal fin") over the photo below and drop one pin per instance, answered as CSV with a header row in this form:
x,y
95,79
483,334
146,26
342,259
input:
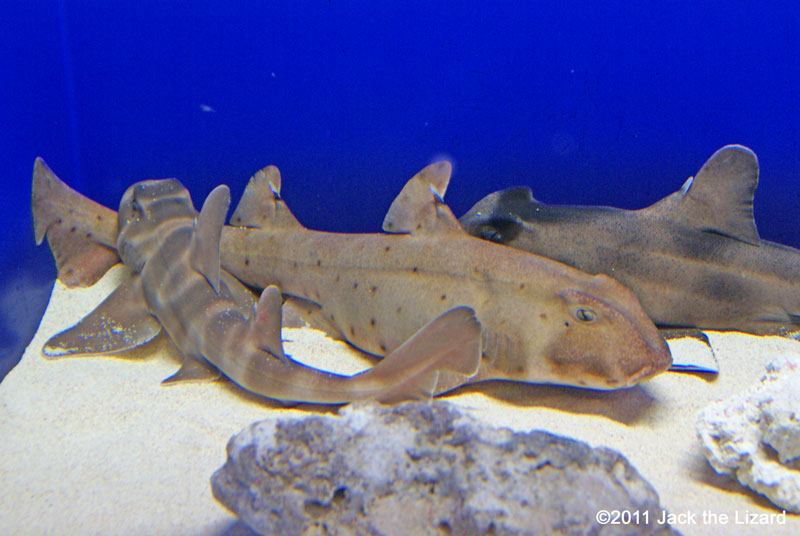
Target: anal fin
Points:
x,y
194,370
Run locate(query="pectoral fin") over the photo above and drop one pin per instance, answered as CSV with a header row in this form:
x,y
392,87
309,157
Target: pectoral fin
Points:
x,y
702,360
450,343
308,312
120,323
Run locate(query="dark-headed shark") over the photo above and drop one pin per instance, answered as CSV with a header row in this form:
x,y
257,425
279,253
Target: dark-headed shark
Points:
x,y
694,259
540,321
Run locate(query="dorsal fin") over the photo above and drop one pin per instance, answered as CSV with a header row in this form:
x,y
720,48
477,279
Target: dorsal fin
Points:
x,y
261,205
505,205
265,325
207,233
419,206
720,197
517,194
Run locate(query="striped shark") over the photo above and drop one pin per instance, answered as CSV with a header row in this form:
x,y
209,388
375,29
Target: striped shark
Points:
x,y
215,322
540,321
694,259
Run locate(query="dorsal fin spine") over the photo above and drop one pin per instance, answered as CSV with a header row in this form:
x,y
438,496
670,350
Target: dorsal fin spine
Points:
x,y
261,205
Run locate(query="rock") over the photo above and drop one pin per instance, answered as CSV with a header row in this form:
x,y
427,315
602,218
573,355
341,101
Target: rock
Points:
x,y
425,468
755,436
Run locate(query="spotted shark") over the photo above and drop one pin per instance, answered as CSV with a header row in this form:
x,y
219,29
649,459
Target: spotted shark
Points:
x,y
694,259
540,321
216,324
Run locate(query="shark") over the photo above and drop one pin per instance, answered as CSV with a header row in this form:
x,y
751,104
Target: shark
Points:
x,y
540,320
694,259
215,322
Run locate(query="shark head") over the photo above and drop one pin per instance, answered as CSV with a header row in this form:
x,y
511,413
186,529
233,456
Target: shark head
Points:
x,y
603,338
145,207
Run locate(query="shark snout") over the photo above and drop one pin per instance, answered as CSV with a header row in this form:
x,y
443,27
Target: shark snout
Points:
x,y
620,346
655,360
647,354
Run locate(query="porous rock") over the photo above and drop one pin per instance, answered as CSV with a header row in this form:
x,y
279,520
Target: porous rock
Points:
x,y
425,468
755,436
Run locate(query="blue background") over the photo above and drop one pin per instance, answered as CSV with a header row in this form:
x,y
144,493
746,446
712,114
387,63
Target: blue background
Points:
x,y
613,103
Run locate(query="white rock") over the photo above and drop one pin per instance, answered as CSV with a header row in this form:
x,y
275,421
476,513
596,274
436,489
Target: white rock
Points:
x,y
742,435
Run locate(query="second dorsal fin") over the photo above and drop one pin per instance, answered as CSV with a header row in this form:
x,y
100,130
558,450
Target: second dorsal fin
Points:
x,y
419,206
265,326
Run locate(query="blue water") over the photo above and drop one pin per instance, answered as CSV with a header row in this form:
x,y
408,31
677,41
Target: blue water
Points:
x,y
611,102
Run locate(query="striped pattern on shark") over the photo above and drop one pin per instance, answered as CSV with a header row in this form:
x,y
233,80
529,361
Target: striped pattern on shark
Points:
x,y
541,321
216,324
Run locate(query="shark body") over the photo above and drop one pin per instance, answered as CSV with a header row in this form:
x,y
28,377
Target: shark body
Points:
x,y
540,321
218,327
694,259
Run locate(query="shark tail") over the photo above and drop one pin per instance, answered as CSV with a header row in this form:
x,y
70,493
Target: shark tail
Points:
x,y
450,344
81,233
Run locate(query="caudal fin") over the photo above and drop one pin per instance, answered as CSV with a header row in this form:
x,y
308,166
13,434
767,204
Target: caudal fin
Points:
x,y
82,234
449,343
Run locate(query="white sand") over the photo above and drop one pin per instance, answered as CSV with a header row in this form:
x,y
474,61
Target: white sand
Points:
x,y
98,446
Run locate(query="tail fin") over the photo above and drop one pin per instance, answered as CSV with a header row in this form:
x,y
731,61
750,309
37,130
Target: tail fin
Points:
x,y
82,234
450,343
261,205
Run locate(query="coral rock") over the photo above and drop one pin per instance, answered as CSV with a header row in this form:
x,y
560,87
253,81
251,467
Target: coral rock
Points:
x,y
755,436
425,468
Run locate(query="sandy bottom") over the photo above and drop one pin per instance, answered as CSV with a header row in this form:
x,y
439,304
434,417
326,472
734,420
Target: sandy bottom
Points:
x,y
98,446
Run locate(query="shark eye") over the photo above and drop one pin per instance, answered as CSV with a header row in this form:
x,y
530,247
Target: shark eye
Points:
x,y
491,233
585,314
136,211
